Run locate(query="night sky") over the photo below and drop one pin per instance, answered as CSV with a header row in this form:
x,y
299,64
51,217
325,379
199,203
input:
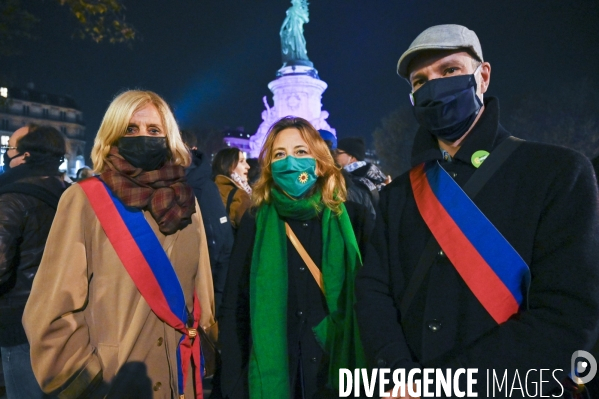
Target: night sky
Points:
x,y
212,59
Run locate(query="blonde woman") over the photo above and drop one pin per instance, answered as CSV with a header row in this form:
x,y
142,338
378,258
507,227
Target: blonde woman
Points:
x,y
125,280
283,335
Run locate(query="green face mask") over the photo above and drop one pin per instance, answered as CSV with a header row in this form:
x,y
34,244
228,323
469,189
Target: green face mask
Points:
x,y
294,175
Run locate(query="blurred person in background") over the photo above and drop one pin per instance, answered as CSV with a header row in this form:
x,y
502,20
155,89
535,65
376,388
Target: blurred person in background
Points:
x,y
29,193
254,172
230,173
350,155
216,223
84,173
357,191
12,157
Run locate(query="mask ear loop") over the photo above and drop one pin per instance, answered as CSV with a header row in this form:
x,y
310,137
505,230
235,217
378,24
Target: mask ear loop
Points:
x,y
478,69
16,156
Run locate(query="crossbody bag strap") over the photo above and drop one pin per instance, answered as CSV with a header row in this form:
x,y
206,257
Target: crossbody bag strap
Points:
x,y
471,188
230,199
316,273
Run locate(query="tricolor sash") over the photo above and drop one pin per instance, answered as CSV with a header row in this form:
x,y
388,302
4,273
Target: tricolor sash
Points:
x,y
491,268
152,273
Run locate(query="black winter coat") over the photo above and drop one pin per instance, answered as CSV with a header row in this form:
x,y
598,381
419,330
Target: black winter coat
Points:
x,y
371,176
358,192
219,232
24,225
544,201
306,308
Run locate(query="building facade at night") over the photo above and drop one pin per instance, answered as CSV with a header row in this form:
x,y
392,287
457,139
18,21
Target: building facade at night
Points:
x,y
22,106
237,138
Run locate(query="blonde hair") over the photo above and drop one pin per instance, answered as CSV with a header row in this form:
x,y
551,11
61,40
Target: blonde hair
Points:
x,y
330,180
116,120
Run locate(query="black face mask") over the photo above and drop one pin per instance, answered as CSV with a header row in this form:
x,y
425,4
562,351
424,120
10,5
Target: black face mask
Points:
x,y
7,160
447,107
147,153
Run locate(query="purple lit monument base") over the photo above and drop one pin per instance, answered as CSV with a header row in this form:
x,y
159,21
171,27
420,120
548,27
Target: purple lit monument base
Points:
x,y
297,92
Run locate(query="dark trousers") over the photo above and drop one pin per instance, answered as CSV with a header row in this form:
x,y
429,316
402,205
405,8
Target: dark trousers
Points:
x,y
18,374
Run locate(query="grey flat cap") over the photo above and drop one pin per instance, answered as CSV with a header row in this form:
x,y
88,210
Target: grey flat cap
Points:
x,y
440,37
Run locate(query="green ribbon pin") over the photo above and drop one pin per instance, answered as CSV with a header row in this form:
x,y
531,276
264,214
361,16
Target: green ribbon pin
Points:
x,y
479,157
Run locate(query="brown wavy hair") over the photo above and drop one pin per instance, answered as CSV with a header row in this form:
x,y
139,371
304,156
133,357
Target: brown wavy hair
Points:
x,y
330,180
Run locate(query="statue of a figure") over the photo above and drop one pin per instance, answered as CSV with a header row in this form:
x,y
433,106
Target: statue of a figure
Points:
x,y
293,43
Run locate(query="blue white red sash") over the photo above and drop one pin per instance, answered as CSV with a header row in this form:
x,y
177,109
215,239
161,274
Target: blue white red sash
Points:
x,y
492,269
150,269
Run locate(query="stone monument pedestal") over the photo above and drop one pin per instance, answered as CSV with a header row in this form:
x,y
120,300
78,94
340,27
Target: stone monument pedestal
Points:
x,y
297,92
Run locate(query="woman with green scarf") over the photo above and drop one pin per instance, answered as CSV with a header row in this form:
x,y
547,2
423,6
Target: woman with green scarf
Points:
x,y
287,328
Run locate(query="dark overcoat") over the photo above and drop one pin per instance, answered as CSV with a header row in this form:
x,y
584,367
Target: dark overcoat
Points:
x,y
543,200
25,221
219,231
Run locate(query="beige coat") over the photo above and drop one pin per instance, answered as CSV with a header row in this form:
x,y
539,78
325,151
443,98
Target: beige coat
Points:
x,y
86,320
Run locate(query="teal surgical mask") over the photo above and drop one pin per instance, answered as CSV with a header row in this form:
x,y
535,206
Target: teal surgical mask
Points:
x,y
294,175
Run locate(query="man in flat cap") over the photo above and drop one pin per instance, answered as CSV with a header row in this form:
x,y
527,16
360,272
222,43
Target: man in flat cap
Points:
x,y
485,254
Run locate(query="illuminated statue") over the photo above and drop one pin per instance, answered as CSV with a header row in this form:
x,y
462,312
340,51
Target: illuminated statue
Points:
x,y
293,43
298,89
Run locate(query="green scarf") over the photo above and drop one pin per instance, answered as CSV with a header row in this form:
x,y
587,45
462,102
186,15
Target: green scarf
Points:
x,y
338,332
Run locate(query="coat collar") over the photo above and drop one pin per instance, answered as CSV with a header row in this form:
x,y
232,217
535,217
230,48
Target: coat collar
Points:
x,y
486,135
224,180
24,171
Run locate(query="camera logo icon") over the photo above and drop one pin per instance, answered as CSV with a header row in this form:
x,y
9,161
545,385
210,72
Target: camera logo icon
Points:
x,y
583,367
